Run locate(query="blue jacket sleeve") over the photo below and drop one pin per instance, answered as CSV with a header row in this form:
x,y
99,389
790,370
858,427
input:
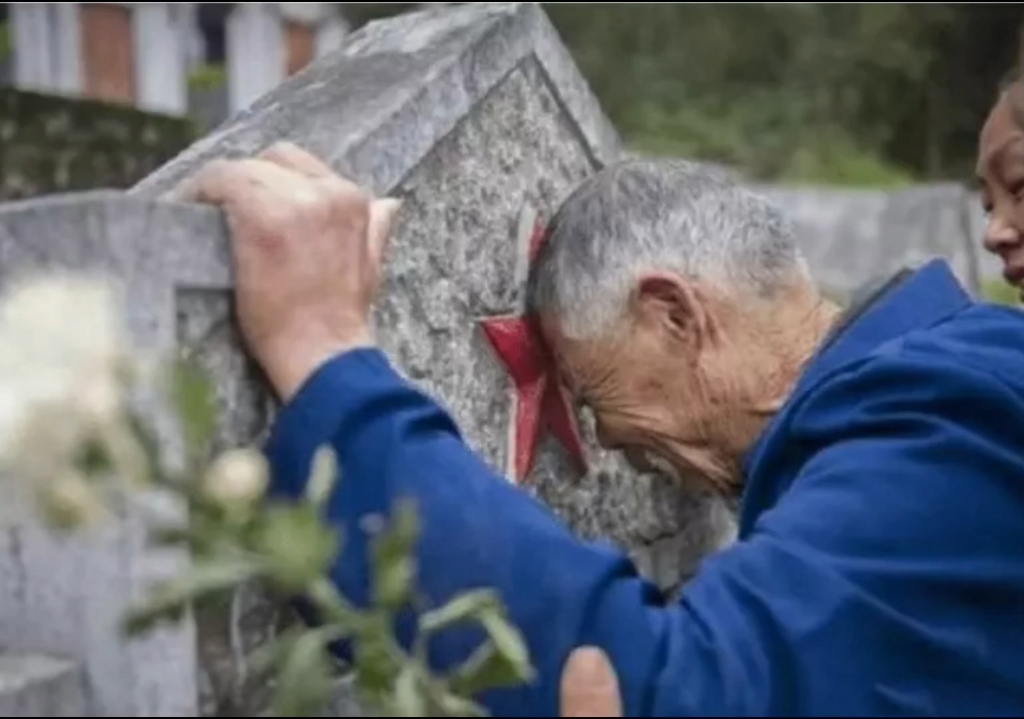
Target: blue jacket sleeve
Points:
x,y
755,629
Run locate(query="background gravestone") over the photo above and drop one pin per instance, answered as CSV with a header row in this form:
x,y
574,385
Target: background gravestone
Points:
x,y
850,235
469,114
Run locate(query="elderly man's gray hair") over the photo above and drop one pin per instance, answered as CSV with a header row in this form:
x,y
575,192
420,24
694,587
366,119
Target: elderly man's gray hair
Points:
x,y
657,214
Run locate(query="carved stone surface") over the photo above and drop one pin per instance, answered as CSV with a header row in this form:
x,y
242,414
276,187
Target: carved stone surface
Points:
x,y
483,111
228,632
66,597
32,685
466,114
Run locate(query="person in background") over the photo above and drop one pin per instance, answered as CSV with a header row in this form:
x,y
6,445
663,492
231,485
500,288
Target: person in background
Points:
x,y
1000,173
878,450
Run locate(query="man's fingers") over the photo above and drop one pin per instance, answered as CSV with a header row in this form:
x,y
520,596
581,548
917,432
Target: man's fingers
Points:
x,y
293,157
589,686
382,218
235,182
290,155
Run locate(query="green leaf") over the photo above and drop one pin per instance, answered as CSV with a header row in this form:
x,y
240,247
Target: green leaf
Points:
x,y
394,564
266,658
305,682
168,600
466,607
169,536
375,654
452,705
487,668
195,400
501,661
298,546
509,643
92,459
409,701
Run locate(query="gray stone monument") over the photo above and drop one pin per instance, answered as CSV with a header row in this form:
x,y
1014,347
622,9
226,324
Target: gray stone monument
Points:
x,y
477,118
850,235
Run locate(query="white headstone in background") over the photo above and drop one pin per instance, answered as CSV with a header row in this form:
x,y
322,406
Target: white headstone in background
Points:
x,y
255,53
160,58
47,47
331,34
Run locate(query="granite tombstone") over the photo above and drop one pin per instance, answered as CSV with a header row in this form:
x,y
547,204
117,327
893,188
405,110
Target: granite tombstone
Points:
x,y
478,119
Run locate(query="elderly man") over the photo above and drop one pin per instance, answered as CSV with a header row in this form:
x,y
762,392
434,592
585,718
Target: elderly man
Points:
x,y
879,450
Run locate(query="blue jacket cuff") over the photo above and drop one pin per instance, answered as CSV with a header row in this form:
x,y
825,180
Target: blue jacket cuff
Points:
x,y
313,416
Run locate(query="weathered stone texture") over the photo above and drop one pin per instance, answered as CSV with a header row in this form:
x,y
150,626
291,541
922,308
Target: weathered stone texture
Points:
x,y
480,116
483,111
467,114
66,597
33,685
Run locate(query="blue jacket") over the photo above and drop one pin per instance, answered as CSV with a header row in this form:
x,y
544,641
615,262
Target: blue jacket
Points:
x,y
880,565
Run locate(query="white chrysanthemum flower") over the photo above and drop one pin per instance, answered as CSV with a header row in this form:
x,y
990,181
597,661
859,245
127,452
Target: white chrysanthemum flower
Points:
x,y
63,359
237,477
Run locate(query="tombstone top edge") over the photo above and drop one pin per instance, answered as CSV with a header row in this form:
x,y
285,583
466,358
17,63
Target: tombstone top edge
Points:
x,y
374,108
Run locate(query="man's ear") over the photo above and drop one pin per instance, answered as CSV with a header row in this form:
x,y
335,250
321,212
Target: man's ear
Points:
x,y
676,306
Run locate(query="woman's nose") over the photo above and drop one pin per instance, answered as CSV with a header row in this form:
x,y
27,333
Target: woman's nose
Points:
x,y
1001,235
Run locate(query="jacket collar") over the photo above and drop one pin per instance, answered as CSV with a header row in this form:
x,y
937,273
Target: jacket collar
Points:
x,y
883,310
880,311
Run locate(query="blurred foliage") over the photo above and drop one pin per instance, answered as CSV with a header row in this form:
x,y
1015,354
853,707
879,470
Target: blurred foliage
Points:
x,y
846,93
53,143
1002,293
208,77
236,536
5,40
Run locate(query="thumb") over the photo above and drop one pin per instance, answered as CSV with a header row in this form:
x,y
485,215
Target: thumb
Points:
x,y
382,217
589,686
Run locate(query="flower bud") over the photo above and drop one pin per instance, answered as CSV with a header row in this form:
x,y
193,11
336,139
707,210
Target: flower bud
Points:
x,y
238,477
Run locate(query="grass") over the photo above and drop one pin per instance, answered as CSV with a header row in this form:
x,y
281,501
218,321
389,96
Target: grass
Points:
x,y
1001,292
761,150
6,46
208,77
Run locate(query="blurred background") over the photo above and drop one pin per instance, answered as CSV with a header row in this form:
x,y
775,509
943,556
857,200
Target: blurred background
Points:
x,y
849,94
840,96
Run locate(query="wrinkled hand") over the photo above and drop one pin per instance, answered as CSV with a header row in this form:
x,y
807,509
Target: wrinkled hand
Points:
x,y
307,247
589,686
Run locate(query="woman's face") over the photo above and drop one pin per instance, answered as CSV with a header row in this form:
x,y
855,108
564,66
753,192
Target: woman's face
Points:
x,y
1001,174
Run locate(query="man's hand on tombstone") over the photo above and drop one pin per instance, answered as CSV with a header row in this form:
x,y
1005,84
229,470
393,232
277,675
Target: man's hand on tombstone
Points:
x,y
307,247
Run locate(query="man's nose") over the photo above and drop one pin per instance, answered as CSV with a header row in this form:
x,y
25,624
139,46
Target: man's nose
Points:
x,y
1001,235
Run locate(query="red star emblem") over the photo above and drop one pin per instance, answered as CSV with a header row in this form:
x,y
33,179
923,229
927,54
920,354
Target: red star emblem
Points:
x,y
540,399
